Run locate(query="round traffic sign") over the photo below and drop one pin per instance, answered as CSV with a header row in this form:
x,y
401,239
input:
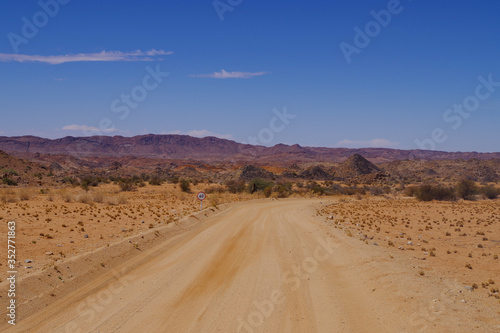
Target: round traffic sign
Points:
x,y
201,196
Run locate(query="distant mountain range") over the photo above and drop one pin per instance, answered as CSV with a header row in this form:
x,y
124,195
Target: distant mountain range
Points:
x,y
211,149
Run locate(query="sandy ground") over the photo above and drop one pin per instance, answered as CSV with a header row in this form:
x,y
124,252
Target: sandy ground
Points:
x,y
267,266
67,222
454,239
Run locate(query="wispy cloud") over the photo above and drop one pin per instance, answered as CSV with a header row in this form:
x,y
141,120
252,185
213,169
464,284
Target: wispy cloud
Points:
x,y
230,75
138,55
375,143
85,128
200,134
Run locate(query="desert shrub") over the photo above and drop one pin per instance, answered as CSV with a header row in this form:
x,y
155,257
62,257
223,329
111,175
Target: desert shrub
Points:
x,y
490,192
411,191
259,185
9,181
184,185
7,196
315,188
353,190
174,180
24,194
376,190
70,180
282,190
89,181
156,181
85,198
116,200
98,197
334,189
66,195
429,192
267,192
215,200
235,186
466,189
126,185
84,186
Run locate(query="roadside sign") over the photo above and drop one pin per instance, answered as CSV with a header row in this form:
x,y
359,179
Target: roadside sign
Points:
x,y
201,196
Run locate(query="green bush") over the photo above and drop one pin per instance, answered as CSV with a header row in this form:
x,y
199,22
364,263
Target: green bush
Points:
x,y
259,185
184,185
315,188
466,189
155,180
428,192
490,192
126,184
283,190
70,180
9,181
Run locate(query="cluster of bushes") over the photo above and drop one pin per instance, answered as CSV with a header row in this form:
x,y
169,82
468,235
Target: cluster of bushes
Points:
x,y
266,187
89,181
330,188
465,189
489,192
9,181
429,192
236,186
129,184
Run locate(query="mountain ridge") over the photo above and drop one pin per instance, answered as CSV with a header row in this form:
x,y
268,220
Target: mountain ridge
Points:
x,y
174,146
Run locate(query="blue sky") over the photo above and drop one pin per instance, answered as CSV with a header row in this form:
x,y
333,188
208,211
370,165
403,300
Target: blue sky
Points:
x,y
270,72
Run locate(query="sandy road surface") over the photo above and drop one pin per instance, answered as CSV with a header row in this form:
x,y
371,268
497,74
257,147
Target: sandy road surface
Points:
x,y
259,267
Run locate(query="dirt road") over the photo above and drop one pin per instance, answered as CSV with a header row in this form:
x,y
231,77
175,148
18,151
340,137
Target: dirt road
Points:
x,y
271,266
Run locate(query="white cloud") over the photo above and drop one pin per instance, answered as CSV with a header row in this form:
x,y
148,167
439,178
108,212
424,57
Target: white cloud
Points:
x,y
230,75
375,143
100,56
85,128
200,134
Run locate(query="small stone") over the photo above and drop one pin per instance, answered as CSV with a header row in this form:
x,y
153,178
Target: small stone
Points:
x,y
410,243
86,236
59,245
72,241
49,253
376,244
28,261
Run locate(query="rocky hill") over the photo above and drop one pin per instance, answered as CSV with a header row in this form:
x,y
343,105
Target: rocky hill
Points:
x,y
16,171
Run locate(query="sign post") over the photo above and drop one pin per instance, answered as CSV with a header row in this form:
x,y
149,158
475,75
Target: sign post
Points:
x,y
201,196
